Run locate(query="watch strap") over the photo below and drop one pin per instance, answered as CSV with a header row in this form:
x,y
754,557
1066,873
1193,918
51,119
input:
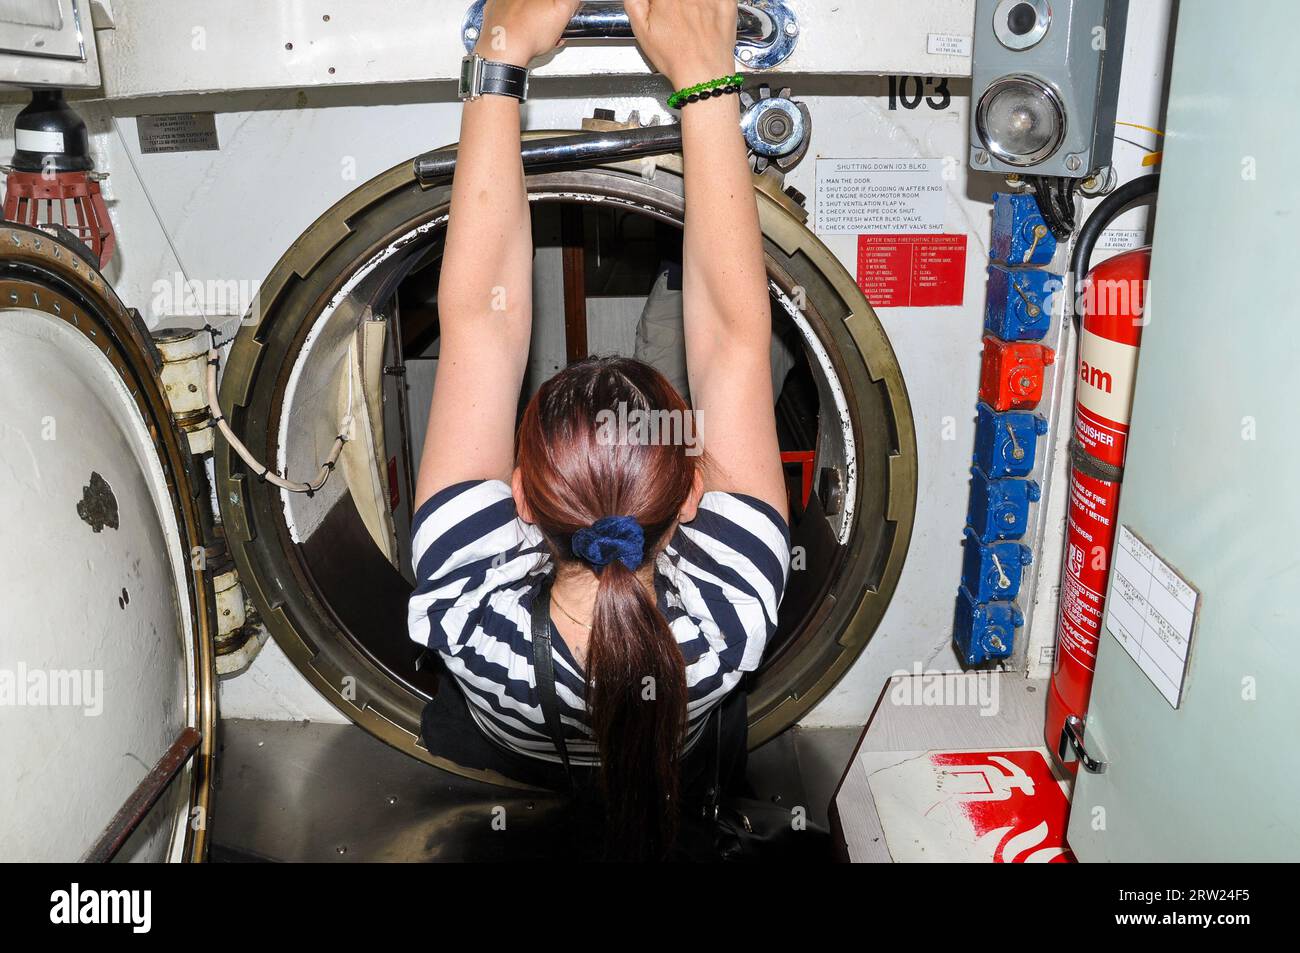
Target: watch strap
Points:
x,y
503,79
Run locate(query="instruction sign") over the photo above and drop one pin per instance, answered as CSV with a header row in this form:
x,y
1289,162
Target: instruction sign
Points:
x,y
880,196
1150,613
912,271
177,132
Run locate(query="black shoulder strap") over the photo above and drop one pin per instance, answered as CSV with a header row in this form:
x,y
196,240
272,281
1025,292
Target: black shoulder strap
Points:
x,y
544,667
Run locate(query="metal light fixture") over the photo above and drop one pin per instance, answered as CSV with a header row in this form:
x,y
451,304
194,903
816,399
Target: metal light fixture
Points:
x,y
1020,24
1020,120
52,183
1045,86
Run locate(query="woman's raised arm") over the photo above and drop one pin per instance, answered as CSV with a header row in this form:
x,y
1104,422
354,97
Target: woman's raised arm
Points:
x,y
728,319
485,289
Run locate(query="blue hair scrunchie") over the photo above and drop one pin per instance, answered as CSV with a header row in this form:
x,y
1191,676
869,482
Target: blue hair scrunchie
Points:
x,y
610,538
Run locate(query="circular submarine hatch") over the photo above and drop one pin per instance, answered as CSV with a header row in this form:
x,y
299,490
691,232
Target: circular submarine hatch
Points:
x,y
108,644
345,327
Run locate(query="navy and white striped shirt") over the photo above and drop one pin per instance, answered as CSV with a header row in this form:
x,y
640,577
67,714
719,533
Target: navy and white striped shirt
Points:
x,y
718,582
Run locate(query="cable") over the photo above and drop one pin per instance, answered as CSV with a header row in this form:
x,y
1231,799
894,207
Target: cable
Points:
x,y
1105,213
1055,198
264,472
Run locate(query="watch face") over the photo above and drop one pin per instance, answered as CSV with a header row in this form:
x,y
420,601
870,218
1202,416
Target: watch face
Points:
x,y
468,67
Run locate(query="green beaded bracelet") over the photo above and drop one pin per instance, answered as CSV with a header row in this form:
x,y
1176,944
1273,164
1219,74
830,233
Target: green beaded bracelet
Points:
x,y
714,87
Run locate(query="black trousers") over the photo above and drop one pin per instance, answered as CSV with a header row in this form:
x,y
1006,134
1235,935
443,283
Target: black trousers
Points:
x,y
449,731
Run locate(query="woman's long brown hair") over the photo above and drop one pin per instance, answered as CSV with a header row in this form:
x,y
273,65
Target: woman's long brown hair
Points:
x,y
575,468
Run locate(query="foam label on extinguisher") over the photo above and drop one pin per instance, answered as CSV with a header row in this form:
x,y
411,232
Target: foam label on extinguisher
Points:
x,y
1106,371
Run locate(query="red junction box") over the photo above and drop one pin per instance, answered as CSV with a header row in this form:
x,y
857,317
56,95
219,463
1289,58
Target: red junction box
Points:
x,y
1011,377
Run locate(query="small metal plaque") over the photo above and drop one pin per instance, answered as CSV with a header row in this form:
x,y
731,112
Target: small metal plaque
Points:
x,y
178,132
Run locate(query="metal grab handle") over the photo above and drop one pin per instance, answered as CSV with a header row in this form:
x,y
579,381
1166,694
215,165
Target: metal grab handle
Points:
x,y
146,794
559,151
1070,747
766,30
776,130
604,20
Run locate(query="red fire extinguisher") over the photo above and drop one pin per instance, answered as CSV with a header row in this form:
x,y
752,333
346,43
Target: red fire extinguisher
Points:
x,y
1109,337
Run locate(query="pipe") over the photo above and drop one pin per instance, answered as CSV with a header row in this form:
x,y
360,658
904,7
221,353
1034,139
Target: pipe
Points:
x,y
1105,213
540,154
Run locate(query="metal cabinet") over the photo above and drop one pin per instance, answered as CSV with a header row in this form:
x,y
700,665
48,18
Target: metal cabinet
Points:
x,y
1210,473
47,43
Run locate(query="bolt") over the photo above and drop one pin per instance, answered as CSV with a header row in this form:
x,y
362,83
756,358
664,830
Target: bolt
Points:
x,y
746,55
776,128
1009,518
392,799
234,499
1073,163
471,33
1018,453
341,850
1026,383
996,643
981,157
791,28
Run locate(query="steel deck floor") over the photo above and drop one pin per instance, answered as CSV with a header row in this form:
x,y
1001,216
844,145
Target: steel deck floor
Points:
x,y
301,791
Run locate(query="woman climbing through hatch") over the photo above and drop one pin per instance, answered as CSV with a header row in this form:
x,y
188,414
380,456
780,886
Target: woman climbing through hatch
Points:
x,y
598,590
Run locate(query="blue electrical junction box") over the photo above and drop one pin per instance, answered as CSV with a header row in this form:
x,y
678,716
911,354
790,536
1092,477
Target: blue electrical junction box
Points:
x,y
1006,443
1020,235
984,633
999,509
1019,302
991,571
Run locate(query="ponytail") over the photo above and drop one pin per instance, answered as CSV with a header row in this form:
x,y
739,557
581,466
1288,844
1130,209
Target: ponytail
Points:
x,y
636,690
575,479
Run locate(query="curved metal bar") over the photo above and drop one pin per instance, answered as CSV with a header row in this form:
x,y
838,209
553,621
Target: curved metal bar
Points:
x,y
605,20
145,796
765,29
560,151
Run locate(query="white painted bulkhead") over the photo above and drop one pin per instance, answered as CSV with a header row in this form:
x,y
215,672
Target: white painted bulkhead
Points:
x,y
96,677
223,218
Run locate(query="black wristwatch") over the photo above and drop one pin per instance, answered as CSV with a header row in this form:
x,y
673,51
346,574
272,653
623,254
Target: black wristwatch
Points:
x,y
479,76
